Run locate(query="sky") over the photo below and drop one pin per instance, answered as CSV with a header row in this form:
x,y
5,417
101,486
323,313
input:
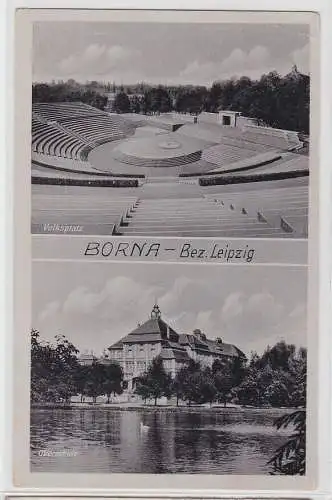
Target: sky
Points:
x,y
96,304
161,53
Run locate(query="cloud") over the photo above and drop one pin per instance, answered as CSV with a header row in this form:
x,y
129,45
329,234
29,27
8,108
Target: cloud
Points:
x,y
238,63
81,301
232,306
96,59
253,317
51,309
97,317
240,60
253,63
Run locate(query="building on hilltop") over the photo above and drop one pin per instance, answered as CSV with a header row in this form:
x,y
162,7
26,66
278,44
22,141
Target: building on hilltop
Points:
x,y
155,337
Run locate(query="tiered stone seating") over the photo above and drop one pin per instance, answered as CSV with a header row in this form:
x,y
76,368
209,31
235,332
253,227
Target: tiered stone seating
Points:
x,y
278,139
70,130
237,141
195,217
98,129
93,209
62,163
224,154
58,111
285,207
51,140
291,163
156,162
250,137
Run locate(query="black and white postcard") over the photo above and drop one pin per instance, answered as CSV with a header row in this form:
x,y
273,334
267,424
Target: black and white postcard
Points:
x,y
166,293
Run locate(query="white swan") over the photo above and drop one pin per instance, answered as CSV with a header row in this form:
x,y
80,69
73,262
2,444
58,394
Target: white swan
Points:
x,y
144,428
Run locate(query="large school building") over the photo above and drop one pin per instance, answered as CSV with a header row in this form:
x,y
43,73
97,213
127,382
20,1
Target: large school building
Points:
x,y
155,337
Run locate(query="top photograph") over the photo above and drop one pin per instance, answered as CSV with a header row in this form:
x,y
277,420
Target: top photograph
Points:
x,y
170,129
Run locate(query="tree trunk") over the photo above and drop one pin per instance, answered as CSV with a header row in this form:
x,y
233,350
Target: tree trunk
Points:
x,y
177,400
155,401
81,398
108,398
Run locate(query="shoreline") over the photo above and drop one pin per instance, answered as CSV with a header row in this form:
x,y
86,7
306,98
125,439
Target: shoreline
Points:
x,y
153,408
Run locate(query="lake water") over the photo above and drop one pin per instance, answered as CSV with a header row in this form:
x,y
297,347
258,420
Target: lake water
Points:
x,y
99,440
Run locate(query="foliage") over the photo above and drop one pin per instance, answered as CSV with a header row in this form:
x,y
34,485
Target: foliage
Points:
x,y
277,378
155,382
57,375
113,382
179,384
53,369
70,91
290,458
121,103
223,380
275,100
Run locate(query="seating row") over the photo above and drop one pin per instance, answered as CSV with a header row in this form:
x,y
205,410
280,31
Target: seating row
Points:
x,y
225,154
194,218
274,206
91,209
62,110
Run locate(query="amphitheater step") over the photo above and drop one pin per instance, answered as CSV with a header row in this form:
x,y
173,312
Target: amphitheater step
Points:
x,y
196,217
214,232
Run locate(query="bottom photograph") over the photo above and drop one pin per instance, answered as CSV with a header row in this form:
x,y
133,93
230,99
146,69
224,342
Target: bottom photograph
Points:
x,y
168,368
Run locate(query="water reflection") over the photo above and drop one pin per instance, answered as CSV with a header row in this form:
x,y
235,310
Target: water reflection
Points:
x,y
109,440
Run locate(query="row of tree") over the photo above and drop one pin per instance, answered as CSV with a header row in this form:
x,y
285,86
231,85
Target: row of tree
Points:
x,y
68,92
278,101
277,378
57,375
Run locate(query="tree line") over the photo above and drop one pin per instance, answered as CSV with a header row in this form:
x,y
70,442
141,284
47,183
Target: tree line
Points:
x,y
57,375
68,92
277,101
277,378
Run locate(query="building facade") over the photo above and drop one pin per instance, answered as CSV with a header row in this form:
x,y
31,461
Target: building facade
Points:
x,y
155,337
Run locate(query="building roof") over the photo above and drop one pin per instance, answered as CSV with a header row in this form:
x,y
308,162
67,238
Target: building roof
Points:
x,y
204,345
173,344
117,345
153,327
153,330
193,341
172,351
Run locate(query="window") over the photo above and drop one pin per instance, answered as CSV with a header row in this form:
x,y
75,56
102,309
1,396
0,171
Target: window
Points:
x,y
226,120
129,366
